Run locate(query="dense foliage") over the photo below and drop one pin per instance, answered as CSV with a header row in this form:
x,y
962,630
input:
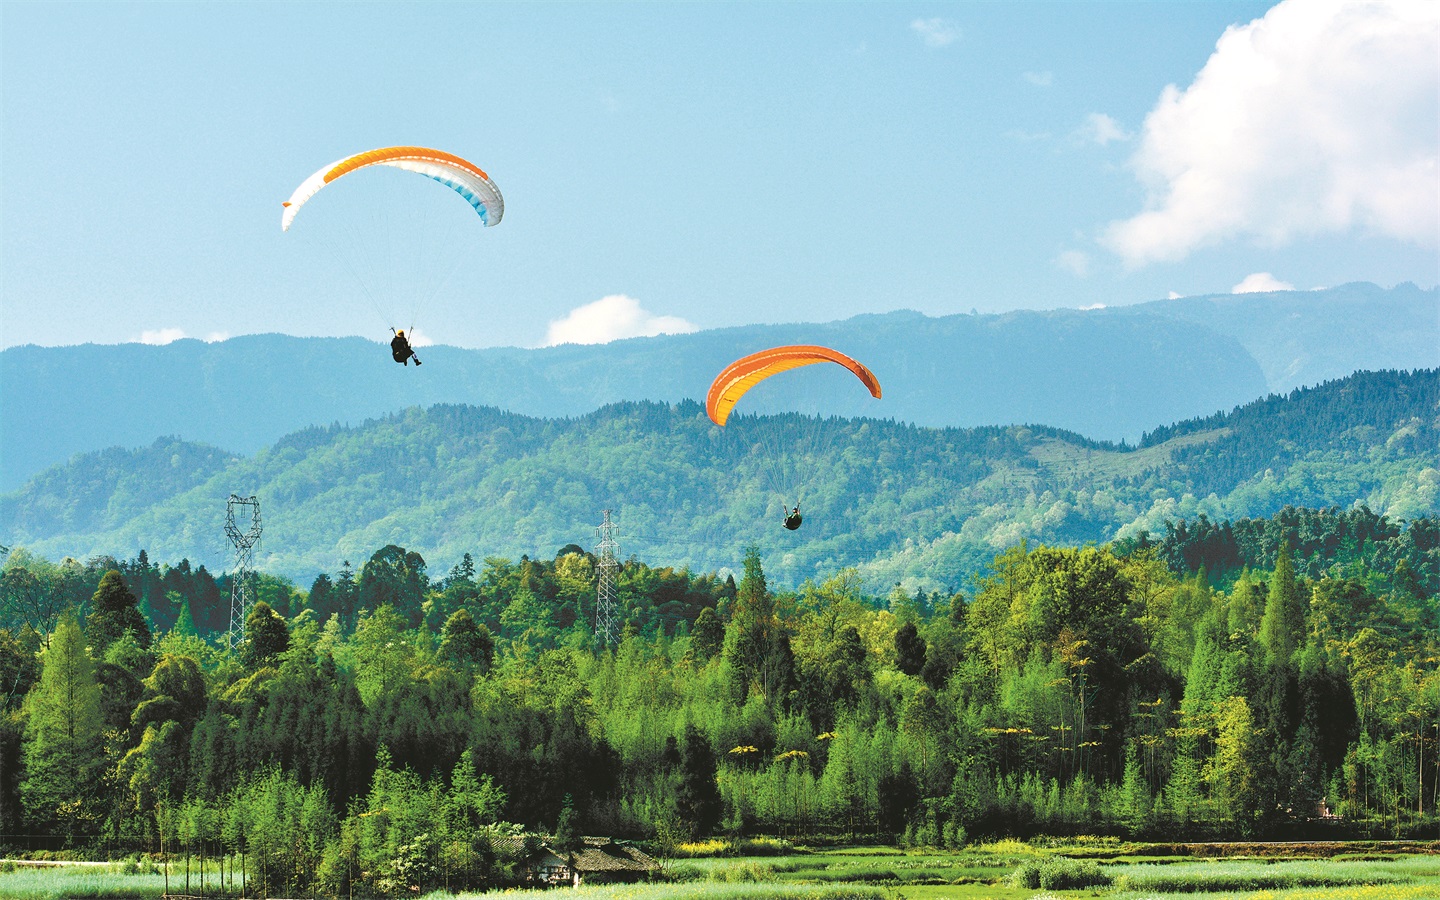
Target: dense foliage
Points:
x,y
925,507
385,731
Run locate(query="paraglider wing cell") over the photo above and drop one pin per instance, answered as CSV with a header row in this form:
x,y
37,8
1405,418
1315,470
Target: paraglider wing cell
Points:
x,y
743,374
462,177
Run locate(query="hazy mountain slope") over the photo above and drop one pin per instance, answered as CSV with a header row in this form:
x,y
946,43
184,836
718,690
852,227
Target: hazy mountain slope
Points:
x,y
1107,373
1306,337
904,501
1104,376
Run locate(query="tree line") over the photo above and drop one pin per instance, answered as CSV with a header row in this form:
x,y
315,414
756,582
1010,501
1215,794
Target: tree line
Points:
x,y
387,730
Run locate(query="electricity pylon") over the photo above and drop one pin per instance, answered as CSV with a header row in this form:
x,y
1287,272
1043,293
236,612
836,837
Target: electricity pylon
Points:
x,y
607,625
242,592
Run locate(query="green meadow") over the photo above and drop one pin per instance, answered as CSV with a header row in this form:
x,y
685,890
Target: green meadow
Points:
x,y
1004,870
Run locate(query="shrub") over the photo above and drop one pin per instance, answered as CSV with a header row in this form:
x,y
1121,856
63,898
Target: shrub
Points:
x,y
954,835
748,872
1026,876
1065,874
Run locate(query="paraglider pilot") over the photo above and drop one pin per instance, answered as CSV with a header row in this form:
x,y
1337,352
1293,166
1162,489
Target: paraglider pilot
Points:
x,y
402,351
793,520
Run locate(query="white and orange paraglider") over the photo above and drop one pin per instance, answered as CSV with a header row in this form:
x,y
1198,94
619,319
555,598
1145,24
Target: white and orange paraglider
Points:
x,y
399,250
461,176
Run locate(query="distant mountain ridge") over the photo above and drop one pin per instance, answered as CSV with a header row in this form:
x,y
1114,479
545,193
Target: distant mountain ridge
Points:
x,y
1304,338
902,502
1107,373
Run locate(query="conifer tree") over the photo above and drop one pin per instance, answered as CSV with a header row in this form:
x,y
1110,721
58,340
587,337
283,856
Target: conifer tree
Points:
x,y
698,798
114,611
185,620
64,736
1282,630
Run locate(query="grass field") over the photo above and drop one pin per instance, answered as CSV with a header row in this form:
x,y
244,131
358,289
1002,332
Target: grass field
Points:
x,y
982,872
88,881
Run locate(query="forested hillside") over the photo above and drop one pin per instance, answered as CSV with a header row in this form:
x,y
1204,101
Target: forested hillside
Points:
x,y
926,507
1066,368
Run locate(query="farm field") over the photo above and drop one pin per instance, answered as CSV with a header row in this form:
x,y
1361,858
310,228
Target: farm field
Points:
x,y
995,871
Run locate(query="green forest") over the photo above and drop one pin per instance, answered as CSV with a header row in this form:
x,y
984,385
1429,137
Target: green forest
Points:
x,y
387,728
926,507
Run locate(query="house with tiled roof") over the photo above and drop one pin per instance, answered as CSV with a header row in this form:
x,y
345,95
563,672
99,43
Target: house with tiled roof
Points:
x,y
596,861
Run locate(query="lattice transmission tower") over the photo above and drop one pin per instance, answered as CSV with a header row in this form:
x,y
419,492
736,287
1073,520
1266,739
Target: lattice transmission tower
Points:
x,y
242,591
607,624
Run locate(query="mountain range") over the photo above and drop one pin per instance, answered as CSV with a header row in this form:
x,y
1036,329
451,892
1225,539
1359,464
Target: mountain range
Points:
x,y
1108,374
900,502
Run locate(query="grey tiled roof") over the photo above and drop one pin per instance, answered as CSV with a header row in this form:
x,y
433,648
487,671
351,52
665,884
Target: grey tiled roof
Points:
x,y
598,854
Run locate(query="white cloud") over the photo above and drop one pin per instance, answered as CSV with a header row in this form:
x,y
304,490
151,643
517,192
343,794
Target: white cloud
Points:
x,y
166,336
1259,283
161,336
1075,262
1101,129
611,319
936,32
1172,296
1319,118
1039,79
1092,306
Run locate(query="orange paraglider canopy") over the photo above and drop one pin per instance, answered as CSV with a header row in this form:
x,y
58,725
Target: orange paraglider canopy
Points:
x,y
743,374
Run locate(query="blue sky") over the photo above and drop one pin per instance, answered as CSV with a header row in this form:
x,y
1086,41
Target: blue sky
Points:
x,y
677,166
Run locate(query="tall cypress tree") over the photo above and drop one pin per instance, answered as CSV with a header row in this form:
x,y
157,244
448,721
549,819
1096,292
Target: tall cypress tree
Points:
x,y
1282,629
698,798
64,737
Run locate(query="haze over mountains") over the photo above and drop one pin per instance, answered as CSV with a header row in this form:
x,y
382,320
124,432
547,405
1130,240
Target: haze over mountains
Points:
x,y
1108,374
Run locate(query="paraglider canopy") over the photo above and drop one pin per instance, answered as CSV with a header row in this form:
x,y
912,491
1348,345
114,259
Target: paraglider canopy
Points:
x,y
400,242
743,374
463,177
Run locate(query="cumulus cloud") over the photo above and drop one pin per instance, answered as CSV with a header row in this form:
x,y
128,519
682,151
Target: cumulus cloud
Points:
x,y
161,336
1101,129
1318,118
1075,262
1172,296
611,319
1259,283
936,32
1092,306
1039,79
